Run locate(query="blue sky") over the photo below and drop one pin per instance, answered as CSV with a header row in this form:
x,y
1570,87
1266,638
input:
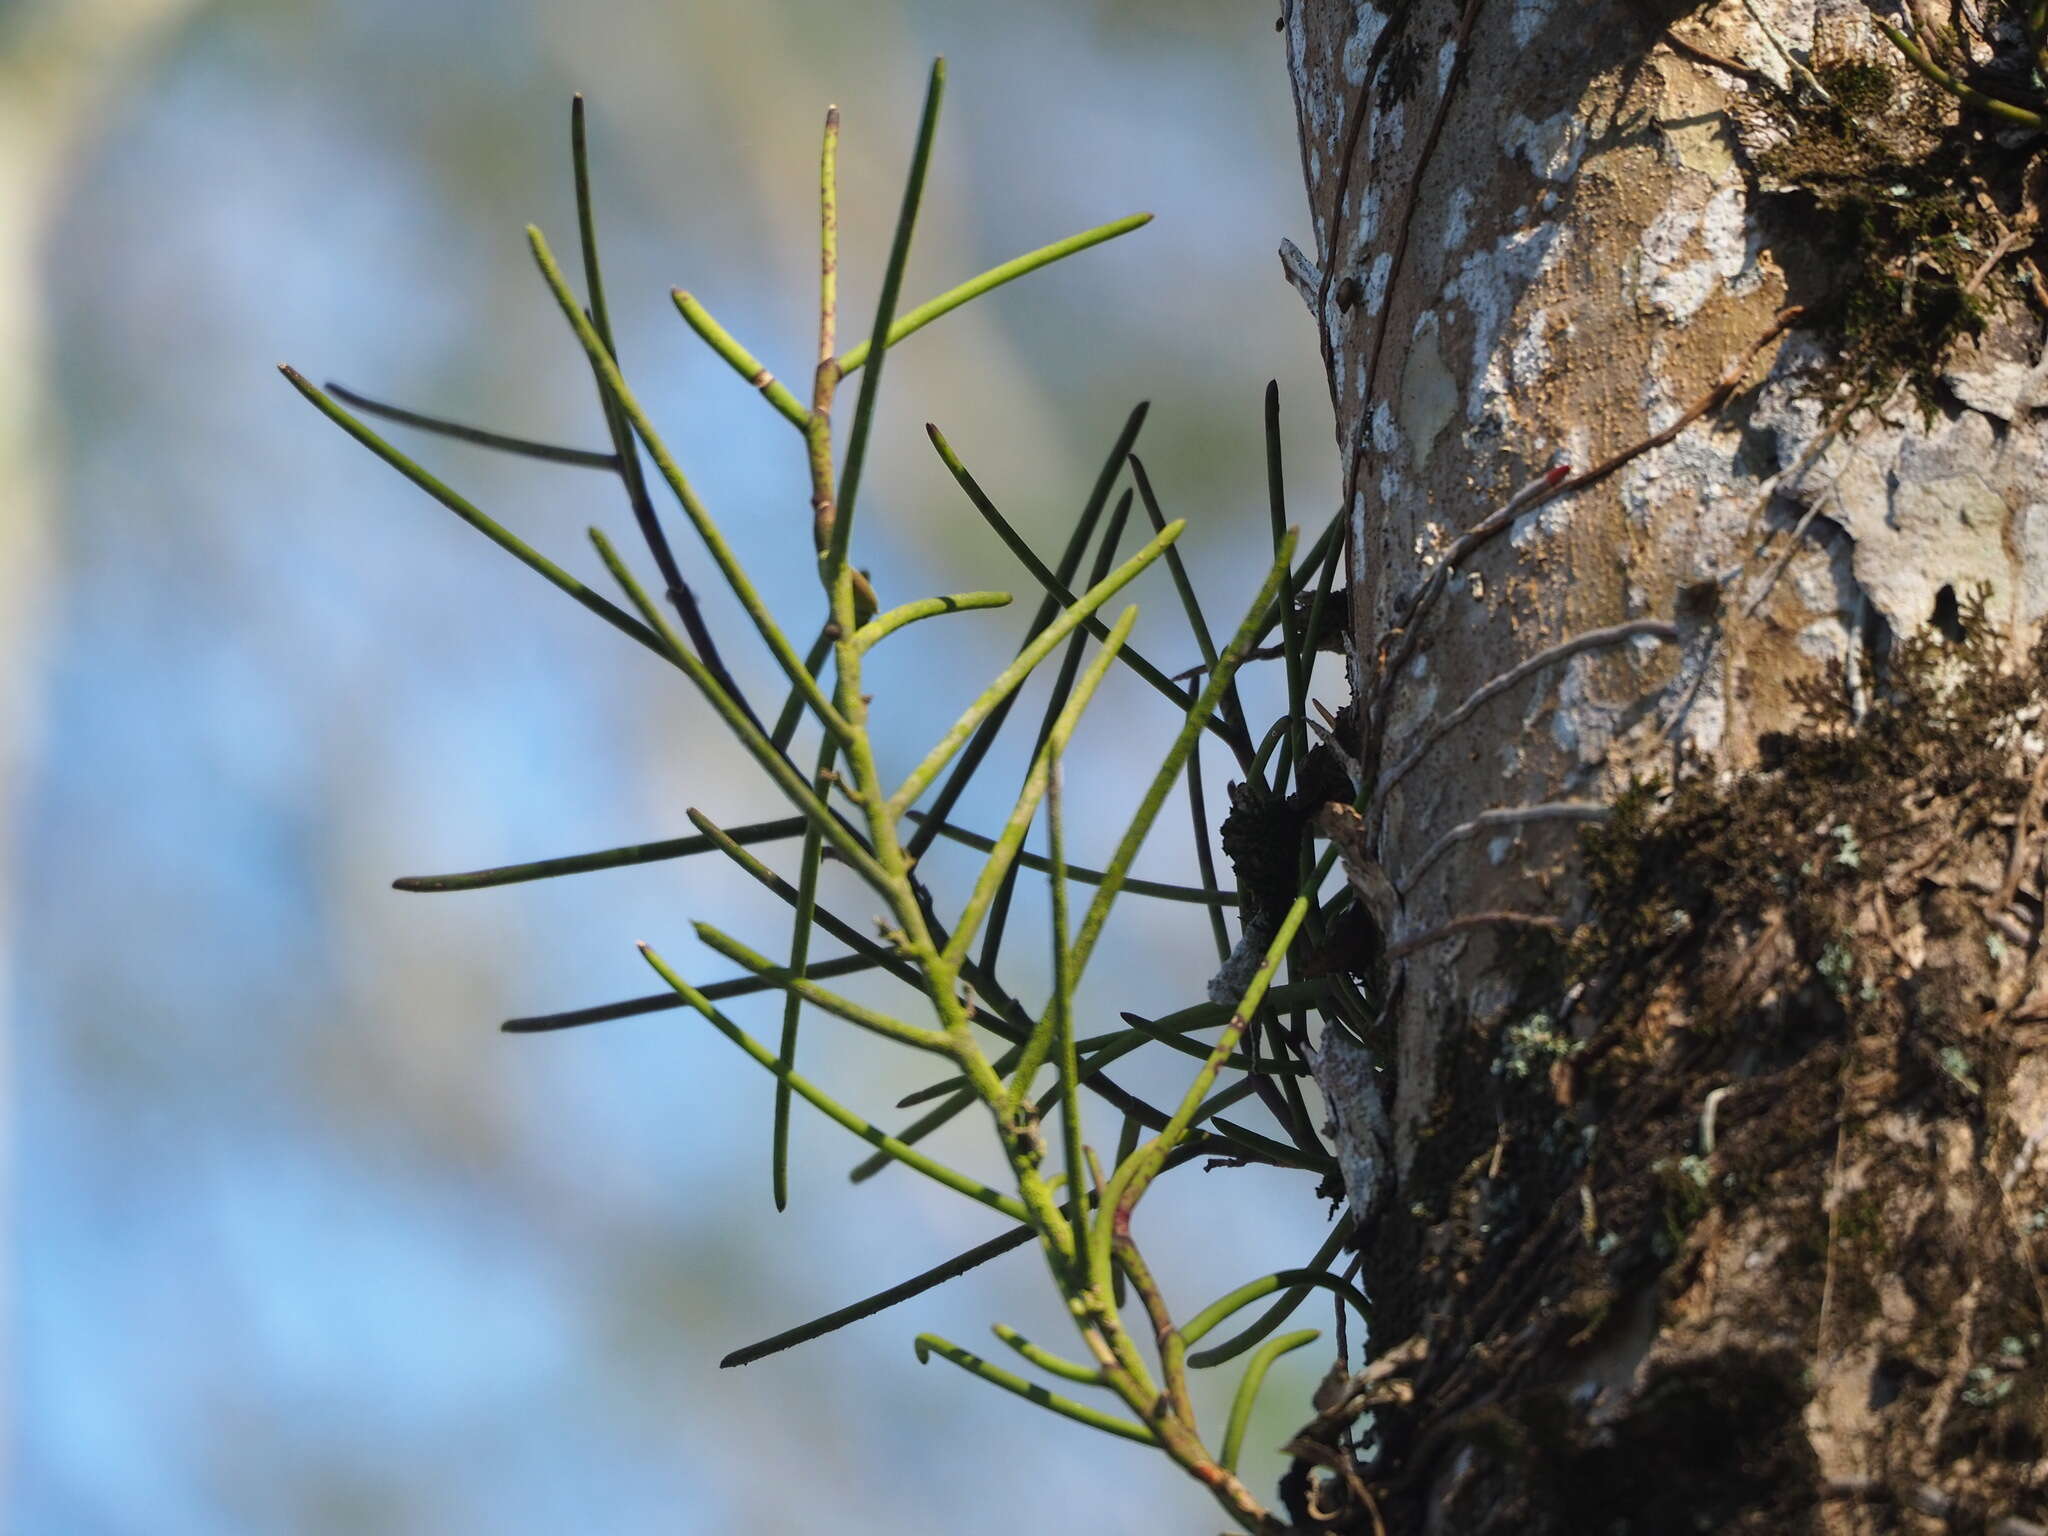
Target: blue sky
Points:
x,y
301,1243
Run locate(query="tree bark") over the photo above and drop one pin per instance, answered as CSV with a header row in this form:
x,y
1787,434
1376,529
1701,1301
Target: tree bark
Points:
x,y
1706,1196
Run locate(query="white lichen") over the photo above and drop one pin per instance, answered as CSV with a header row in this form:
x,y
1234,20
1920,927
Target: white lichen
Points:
x,y
1670,278
1457,213
1553,147
1359,45
1376,282
1488,283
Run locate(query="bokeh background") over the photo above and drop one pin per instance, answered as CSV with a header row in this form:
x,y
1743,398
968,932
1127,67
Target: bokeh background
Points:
x,y
295,1240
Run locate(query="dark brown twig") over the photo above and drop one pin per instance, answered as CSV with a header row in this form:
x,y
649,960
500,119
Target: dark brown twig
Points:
x,y
1467,923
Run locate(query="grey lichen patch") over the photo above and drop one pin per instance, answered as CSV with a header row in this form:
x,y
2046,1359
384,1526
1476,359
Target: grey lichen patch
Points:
x,y
2000,372
1928,504
1357,1128
1943,525
1429,395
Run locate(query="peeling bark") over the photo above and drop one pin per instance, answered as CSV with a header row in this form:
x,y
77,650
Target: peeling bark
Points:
x,y
1547,231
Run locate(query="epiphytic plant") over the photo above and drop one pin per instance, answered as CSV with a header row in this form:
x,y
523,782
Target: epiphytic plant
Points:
x,y
1996,64
990,1048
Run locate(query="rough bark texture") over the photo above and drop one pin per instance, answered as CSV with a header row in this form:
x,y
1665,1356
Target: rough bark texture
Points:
x,y
1711,1201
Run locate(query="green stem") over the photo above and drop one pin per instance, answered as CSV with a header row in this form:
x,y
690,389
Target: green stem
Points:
x,y
910,1157
661,1002
1070,562
626,457
1237,1063
1205,857
822,917
883,625
586,224
1019,266
742,362
742,726
1248,1391
1128,1184
1011,677
885,315
524,447
929,1344
606,858
799,953
1017,1237
828,245
854,1013
1056,701
1046,1360
1062,1010
1275,735
728,564
1200,1325
1197,719
1166,1338
1280,1311
1079,873
793,705
1207,1015
510,543
1165,686
959,1097
1001,857
1290,644
1964,92
1198,622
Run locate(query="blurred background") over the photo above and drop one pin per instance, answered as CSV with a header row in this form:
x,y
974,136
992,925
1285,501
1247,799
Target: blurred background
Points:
x,y
296,1240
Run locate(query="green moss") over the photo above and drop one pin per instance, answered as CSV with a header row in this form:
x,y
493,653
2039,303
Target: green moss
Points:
x,y
1531,1046
1886,214
1669,865
1858,86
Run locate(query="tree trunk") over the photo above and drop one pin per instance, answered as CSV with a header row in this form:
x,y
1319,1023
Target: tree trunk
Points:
x,y
1708,1197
